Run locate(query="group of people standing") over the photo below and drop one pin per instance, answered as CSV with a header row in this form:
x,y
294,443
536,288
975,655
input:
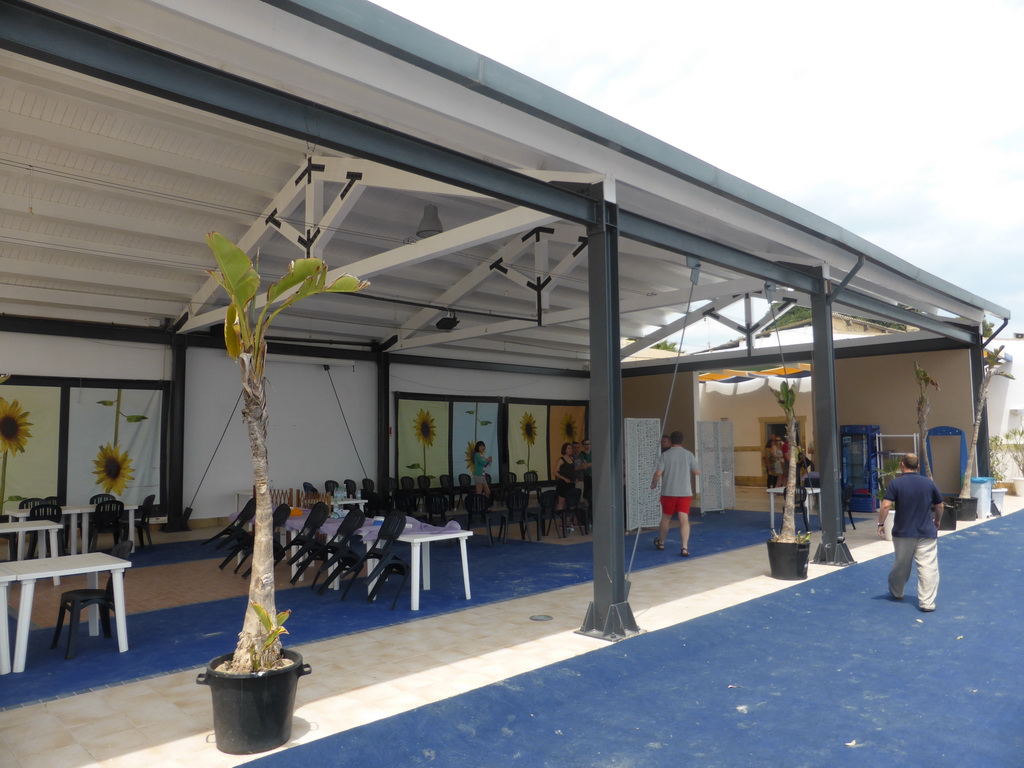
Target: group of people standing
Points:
x,y
573,465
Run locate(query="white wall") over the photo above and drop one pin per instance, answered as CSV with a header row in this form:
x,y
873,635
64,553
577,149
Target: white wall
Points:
x,y
307,435
30,354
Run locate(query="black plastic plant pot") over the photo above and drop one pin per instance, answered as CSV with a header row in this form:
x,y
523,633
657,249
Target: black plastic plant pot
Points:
x,y
253,712
953,510
788,560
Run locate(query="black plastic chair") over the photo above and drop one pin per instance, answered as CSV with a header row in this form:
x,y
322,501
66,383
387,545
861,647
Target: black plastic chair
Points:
x,y
388,563
102,497
351,489
532,482
476,504
546,509
423,489
44,511
309,488
449,490
106,518
330,486
368,487
142,528
800,505
516,503
338,556
436,504
306,541
847,498
74,601
233,530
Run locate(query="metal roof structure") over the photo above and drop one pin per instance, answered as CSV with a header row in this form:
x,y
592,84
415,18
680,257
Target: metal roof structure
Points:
x,y
130,128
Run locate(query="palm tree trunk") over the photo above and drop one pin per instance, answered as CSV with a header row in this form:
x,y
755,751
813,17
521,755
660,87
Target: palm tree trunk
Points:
x,y
789,510
923,409
979,411
261,582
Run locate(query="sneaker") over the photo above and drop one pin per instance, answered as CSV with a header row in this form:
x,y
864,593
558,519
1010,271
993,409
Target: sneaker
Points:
x,y
926,610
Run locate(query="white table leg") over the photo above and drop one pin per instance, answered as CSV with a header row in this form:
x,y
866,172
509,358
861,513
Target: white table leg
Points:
x,y
73,535
28,589
131,527
5,640
415,598
771,506
465,567
21,544
119,609
426,565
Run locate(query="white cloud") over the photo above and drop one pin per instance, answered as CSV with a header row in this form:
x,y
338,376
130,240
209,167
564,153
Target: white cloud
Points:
x,y
900,121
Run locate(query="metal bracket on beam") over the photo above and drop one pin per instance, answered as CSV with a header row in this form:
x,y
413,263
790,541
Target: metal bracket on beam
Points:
x,y
846,281
838,555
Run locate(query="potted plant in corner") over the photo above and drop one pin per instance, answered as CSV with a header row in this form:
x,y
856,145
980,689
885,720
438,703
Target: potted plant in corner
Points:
x,y
964,507
1013,447
789,552
253,687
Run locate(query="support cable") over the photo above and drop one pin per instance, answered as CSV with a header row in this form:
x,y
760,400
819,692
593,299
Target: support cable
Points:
x,y
210,464
355,447
694,277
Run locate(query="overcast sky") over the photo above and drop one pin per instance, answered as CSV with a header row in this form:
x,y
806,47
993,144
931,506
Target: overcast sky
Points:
x,y
899,120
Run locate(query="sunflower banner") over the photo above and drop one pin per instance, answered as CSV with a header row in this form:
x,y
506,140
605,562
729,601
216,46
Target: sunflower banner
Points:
x,y
473,421
422,438
527,439
567,425
29,442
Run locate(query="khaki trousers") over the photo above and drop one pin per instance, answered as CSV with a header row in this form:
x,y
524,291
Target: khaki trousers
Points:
x,y
924,552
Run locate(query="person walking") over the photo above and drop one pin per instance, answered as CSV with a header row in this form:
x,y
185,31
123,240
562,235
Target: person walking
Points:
x,y
674,469
565,474
915,531
585,464
480,464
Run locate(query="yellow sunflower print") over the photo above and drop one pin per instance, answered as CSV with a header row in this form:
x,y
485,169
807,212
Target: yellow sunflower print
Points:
x,y
528,427
470,451
569,429
423,425
113,469
14,426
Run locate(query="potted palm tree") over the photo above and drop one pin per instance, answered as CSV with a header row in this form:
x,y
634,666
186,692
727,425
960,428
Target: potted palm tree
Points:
x,y
253,687
789,552
964,507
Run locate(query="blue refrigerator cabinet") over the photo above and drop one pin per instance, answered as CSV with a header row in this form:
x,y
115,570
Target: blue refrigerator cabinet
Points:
x,y
859,464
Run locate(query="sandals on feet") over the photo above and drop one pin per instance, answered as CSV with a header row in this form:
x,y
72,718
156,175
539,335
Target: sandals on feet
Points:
x,y
684,553
659,544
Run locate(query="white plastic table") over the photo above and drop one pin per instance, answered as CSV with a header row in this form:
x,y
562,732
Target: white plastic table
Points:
x,y
85,511
781,490
27,572
422,541
21,527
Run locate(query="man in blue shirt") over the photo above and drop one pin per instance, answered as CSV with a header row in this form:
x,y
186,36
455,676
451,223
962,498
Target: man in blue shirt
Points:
x,y
915,531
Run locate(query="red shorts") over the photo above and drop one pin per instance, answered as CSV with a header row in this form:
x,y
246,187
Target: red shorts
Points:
x,y
672,504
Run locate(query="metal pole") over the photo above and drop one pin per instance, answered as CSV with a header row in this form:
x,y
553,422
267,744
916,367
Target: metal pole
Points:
x,y
609,616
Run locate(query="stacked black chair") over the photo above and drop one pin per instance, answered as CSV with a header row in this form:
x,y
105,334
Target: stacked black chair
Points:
x,y
45,511
306,542
388,563
351,489
74,601
516,502
232,531
548,502
245,543
330,486
532,482
339,555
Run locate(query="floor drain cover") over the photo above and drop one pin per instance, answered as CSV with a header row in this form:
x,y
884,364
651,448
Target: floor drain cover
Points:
x,y
540,617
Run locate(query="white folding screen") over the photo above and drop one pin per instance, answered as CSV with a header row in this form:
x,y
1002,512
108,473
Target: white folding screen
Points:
x,y
643,447
717,466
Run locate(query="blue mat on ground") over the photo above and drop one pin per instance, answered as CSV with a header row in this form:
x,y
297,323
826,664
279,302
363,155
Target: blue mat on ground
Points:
x,y
188,636
829,672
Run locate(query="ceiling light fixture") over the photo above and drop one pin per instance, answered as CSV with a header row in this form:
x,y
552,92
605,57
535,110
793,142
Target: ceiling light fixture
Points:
x,y
430,224
447,323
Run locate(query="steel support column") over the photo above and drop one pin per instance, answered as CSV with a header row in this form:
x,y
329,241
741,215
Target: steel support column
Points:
x,y
171,498
383,421
833,549
609,616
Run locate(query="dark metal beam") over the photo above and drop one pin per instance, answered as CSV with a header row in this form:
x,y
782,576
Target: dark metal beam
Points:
x,y
79,47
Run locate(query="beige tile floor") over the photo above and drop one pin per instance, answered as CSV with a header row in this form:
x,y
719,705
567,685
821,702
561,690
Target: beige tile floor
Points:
x,y
166,721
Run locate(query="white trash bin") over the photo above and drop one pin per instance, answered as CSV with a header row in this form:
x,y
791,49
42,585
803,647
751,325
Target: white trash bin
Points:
x,y
998,495
981,489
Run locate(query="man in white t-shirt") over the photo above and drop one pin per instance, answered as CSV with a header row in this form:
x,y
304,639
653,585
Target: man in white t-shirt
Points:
x,y
674,469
